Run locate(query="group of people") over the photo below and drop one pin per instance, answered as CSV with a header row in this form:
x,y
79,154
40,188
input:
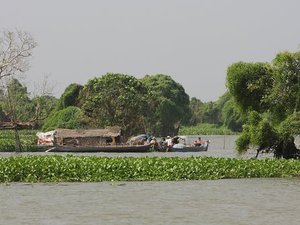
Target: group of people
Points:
x,y
165,143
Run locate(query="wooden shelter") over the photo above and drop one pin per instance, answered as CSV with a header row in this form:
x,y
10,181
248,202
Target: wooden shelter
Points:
x,y
90,137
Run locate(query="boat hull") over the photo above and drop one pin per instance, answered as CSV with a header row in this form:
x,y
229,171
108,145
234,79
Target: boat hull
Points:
x,y
115,148
190,149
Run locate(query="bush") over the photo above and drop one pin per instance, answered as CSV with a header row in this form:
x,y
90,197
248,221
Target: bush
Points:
x,y
28,140
69,117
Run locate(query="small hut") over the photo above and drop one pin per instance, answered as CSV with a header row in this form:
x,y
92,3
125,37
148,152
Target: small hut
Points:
x,y
90,137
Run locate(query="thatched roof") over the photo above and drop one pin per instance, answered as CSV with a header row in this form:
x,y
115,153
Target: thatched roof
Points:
x,y
19,125
75,133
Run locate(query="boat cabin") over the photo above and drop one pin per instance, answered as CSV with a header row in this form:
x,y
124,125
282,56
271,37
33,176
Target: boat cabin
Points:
x,y
89,137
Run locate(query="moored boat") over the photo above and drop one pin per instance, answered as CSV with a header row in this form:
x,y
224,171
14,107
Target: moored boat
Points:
x,y
90,140
181,144
106,148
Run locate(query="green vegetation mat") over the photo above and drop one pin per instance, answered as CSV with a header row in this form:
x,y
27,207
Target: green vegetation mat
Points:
x,y
94,169
28,140
205,129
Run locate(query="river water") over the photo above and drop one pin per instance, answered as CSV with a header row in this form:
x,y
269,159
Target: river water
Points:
x,y
225,202
208,202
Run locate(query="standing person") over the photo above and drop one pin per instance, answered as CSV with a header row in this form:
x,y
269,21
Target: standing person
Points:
x,y
154,143
163,144
169,143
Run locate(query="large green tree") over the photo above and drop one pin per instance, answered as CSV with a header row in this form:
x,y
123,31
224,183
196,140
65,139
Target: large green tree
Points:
x,y
270,94
168,105
197,111
70,97
116,100
16,102
250,84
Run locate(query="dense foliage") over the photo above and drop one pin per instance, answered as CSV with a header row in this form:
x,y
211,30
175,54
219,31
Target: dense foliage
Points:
x,y
284,98
270,94
221,113
21,108
168,105
197,111
28,140
116,100
70,118
70,97
18,105
249,83
94,169
205,129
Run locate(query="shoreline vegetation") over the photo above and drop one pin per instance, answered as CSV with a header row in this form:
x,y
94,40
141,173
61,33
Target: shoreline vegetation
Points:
x,y
72,168
206,129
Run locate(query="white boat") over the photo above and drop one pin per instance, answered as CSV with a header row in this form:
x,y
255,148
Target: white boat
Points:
x,y
184,148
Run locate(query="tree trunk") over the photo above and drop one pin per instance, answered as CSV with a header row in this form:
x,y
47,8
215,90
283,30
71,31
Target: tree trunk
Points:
x,y
17,140
257,152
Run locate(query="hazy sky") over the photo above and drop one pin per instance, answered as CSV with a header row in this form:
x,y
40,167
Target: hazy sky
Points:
x,y
194,41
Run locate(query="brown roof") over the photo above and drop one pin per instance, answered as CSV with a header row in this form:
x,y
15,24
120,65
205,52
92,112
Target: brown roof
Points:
x,y
107,132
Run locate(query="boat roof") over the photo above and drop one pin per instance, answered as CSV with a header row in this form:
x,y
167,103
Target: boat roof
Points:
x,y
72,133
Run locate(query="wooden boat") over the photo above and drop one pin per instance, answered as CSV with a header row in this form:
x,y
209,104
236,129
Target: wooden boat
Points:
x,y
90,140
190,149
106,148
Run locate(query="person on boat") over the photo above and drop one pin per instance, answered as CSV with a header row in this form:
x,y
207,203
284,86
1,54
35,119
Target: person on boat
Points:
x,y
169,142
175,140
154,143
199,142
162,145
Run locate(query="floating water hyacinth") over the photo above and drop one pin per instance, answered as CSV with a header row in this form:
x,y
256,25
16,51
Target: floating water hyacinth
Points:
x,y
96,169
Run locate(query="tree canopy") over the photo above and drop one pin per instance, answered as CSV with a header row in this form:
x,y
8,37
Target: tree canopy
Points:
x,y
168,104
284,98
16,101
249,84
70,97
116,100
269,94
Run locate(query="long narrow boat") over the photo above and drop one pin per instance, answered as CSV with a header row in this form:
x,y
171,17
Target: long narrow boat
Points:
x,y
190,149
107,148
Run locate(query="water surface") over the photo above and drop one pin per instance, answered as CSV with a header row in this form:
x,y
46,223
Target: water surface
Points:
x,y
227,202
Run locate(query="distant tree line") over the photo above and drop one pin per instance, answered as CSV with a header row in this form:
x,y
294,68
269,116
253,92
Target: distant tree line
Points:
x,y
155,104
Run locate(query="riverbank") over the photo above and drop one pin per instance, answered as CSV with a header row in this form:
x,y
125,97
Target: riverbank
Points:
x,y
97,169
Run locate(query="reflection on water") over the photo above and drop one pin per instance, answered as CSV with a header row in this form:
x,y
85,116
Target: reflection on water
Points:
x,y
239,201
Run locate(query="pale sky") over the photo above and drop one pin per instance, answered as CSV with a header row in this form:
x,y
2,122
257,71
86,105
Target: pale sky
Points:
x,y
194,41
